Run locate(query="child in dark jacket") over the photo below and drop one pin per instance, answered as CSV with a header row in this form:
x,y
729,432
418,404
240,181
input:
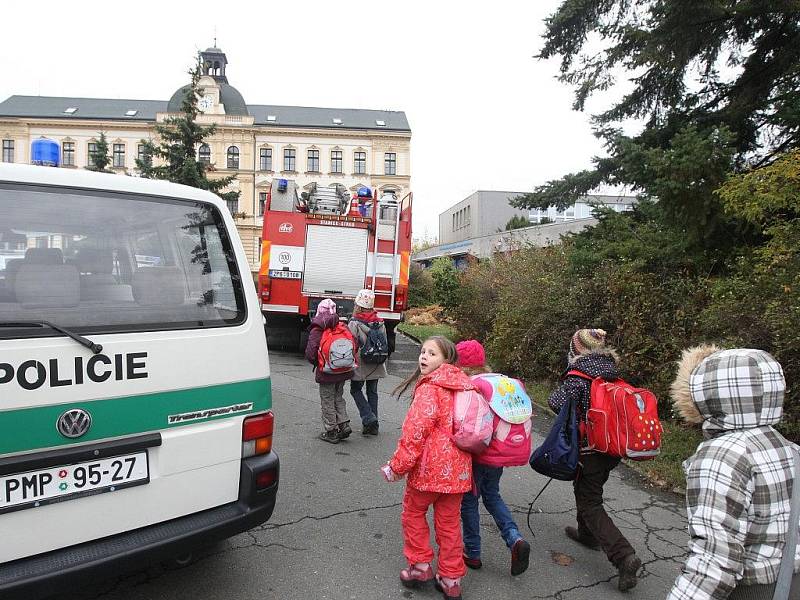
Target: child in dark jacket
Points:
x,y
331,385
589,354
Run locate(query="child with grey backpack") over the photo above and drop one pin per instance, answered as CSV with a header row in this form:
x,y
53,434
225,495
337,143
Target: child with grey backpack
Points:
x,y
370,333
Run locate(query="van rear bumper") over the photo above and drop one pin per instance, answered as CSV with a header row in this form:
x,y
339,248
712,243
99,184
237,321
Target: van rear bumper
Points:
x,y
70,568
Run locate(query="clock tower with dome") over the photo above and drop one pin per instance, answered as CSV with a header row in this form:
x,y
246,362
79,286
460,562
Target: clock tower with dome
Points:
x,y
218,96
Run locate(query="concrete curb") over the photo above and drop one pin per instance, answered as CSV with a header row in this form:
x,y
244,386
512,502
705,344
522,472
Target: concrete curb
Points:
x,y
413,338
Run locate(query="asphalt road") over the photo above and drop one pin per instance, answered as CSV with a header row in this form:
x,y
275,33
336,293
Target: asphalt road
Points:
x,y
335,533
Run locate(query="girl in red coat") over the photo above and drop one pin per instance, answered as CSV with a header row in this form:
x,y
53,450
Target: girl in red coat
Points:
x,y
438,472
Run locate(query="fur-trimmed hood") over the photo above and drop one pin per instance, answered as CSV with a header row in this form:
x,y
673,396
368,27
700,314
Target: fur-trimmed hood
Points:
x,y
728,389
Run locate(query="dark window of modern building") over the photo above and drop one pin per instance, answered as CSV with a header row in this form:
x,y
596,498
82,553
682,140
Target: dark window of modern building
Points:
x,y
233,205
265,159
289,156
390,163
8,150
336,161
233,157
119,155
360,163
204,154
92,150
313,161
68,154
262,202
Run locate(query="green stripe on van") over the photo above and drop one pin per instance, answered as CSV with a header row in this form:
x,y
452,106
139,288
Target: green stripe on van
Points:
x,y
33,428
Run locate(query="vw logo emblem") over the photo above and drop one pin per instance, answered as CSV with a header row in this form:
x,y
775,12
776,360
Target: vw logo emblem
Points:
x,y
74,423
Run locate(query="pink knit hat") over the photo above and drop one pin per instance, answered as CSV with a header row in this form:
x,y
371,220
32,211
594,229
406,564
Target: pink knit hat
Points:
x,y
470,354
326,307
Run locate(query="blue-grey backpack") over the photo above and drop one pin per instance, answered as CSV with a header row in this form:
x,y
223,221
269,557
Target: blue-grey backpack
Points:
x,y
376,347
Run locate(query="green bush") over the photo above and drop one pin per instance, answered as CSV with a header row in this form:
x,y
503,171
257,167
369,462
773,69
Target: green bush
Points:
x,y
420,286
446,285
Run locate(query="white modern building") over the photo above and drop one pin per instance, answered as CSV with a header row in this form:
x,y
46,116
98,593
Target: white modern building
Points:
x,y
475,227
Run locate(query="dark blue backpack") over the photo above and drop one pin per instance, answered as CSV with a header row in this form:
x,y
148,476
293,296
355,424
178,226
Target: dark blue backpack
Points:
x,y
558,455
376,347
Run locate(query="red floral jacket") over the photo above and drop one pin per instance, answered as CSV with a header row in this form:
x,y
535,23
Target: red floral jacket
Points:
x,y
425,450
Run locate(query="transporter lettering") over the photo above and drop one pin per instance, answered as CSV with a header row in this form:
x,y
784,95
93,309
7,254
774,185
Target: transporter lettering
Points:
x,y
33,374
210,412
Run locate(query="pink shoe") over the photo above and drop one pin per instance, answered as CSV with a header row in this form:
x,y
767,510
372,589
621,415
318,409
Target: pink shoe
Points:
x,y
413,577
449,592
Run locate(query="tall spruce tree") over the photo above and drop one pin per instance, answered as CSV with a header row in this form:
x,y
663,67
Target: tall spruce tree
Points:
x,y
99,159
714,82
179,139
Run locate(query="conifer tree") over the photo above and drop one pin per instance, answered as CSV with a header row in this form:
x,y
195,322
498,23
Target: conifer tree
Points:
x,y
100,159
715,86
175,153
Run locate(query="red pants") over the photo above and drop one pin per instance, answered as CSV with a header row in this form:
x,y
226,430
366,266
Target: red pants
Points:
x,y
446,526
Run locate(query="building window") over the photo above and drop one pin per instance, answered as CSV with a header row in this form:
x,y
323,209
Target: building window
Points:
x,y
119,155
360,163
265,159
8,150
92,151
262,202
68,154
390,163
289,156
233,205
233,157
204,154
336,161
313,161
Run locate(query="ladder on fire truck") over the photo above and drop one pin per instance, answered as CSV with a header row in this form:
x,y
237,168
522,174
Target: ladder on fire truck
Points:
x,y
388,215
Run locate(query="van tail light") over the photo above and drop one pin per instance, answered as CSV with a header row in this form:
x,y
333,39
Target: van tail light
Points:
x,y
257,434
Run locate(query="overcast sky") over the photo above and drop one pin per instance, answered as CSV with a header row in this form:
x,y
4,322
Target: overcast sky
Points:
x,y
484,113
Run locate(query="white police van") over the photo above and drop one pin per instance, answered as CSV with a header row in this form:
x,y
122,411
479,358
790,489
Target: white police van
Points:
x,y
135,397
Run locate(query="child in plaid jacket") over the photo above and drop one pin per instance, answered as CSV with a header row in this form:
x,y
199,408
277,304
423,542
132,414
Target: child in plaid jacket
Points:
x,y
739,482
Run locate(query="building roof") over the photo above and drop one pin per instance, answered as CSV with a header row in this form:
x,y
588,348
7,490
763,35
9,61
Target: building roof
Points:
x,y
87,108
307,116
112,109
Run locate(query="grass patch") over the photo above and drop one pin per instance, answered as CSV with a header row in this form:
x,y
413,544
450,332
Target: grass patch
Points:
x,y
422,332
678,443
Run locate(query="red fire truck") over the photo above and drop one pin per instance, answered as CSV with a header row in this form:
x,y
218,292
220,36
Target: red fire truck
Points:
x,y
329,243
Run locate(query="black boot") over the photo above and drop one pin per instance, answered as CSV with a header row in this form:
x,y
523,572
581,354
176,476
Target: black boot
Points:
x,y
343,431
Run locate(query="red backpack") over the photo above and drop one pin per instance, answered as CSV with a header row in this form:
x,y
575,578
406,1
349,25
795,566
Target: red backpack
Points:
x,y
337,350
622,420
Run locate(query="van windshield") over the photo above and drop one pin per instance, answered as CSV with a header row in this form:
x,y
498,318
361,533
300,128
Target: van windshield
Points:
x,y
106,262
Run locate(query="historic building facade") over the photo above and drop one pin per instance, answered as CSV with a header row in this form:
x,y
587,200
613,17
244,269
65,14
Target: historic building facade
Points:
x,y
257,143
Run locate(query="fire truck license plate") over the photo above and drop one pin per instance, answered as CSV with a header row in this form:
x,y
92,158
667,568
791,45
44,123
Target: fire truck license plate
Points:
x,y
54,484
285,274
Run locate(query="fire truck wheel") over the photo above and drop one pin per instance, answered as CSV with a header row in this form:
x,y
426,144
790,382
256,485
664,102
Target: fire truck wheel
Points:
x,y
304,342
391,337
